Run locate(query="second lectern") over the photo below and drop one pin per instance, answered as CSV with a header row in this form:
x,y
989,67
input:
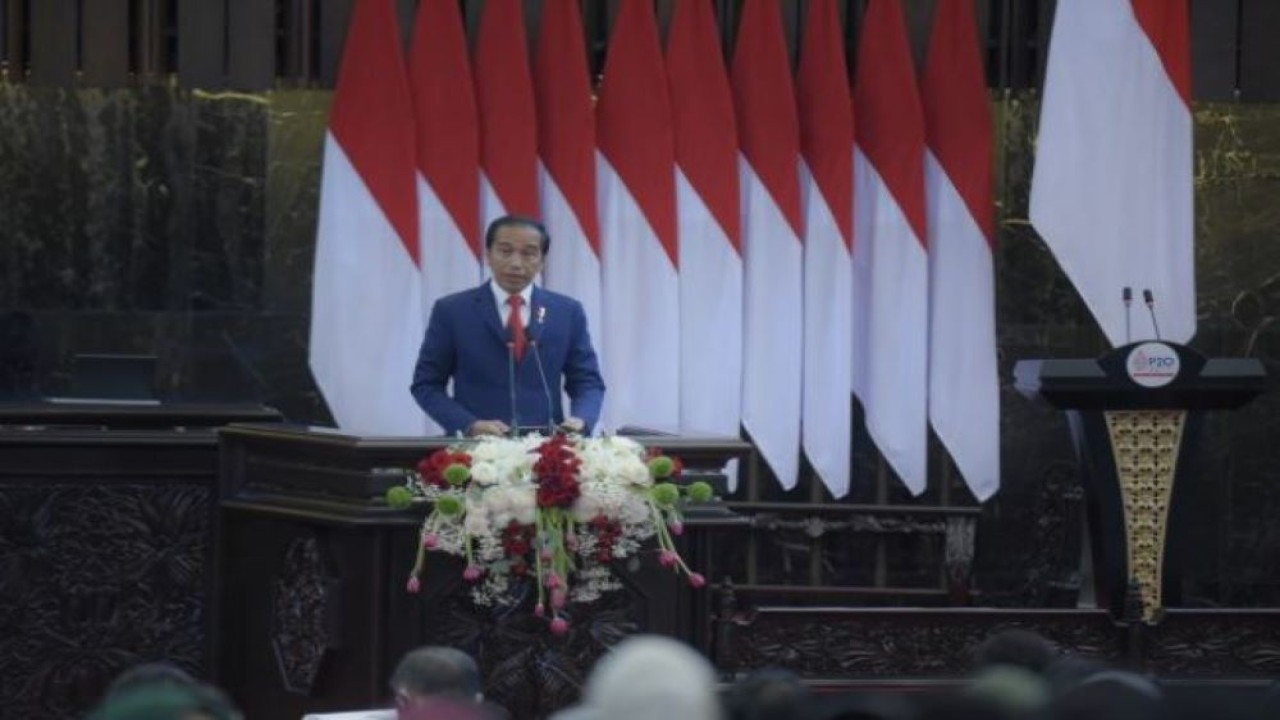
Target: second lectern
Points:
x,y
1135,415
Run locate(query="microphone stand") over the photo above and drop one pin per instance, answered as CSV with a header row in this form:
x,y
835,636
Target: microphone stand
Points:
x,y
1127,296
1150,300
511,383
546,388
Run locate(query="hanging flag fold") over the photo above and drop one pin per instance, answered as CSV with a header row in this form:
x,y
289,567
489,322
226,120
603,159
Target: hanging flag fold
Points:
x,y
890,261
707,203
366,311
636,185
1112,192
964,389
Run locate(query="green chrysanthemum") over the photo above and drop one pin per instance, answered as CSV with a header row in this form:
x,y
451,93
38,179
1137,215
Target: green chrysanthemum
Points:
x,y
700,491
457,474
665,494
448,505
661,467
399,497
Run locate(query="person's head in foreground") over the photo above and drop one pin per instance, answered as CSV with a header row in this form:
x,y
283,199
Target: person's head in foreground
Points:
x,y
435,673
652,677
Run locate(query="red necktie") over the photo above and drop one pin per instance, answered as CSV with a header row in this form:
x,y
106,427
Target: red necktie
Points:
x,y
516,325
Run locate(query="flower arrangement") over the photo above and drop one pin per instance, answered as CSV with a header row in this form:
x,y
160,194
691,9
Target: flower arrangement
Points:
x,y
554,511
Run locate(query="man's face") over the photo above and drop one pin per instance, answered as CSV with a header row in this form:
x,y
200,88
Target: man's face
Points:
x,y
515,257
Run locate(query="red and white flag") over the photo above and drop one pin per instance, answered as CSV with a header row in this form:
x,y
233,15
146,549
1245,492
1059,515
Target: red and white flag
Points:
x,y
708,219
890,262
448,142
366,309
567,148
508,126
826,181
964,389
636,176
769,139
1111,193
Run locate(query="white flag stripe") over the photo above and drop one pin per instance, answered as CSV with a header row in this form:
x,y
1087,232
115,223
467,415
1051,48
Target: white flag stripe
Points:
x,y
827,423
710,320
773,267
642,299
1112,191
365,324
964,398
890,272
572,266
448,264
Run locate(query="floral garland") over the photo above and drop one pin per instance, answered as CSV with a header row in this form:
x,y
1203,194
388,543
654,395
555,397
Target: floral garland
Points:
x,y
556,510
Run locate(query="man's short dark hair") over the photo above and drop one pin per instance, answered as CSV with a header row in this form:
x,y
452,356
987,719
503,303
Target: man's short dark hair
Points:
x,y
437,671
523,221
1018,647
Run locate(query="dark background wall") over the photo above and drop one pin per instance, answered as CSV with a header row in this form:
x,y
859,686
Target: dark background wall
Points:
x,y
159,167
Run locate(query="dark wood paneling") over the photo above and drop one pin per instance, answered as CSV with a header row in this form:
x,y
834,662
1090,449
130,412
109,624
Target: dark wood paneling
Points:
x,y
1259,78
53,41
202,50
334,17
298,41
106,42
1214,31
251,44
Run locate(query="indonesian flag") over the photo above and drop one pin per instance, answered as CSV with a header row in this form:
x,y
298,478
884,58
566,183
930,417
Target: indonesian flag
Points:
x,y
366,318
890,263
708,218
1111,193
964,390
508,129
638,228
826,182
448,143
567,147
769,138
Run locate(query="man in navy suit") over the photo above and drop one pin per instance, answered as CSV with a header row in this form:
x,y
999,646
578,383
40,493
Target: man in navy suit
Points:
x,y
480,337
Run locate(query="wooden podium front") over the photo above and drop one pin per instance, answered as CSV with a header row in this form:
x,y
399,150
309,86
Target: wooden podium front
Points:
x,y
313,609
1135,415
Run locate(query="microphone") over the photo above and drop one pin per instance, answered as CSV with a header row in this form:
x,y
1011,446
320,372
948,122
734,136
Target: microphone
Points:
x,y
1150,300
1127,296
511,383
542,373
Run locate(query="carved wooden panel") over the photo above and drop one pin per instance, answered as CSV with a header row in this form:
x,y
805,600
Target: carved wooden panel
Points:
x,y
97,579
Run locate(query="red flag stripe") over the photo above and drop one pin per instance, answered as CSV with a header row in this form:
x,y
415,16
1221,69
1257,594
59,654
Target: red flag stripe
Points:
x,y
826,112
445,108
504,95
702,113
373,75
1168,24
890,127
768,129
957,110
634,120
566,124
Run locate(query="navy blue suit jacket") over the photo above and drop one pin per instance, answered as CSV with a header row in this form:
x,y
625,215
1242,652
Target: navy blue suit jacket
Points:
x,y
466,341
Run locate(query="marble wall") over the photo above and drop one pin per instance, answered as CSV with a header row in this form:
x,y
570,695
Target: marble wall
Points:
x,y
180,223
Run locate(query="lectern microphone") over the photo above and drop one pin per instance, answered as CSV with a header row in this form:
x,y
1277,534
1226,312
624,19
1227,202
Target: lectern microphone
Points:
x,y
1150,300
540,318
1127,296
511,384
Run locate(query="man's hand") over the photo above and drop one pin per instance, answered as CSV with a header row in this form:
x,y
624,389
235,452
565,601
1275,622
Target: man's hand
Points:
x,y
487,427
572,425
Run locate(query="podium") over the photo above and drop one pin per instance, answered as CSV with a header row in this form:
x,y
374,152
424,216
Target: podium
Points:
x,y
312,607
1135,415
